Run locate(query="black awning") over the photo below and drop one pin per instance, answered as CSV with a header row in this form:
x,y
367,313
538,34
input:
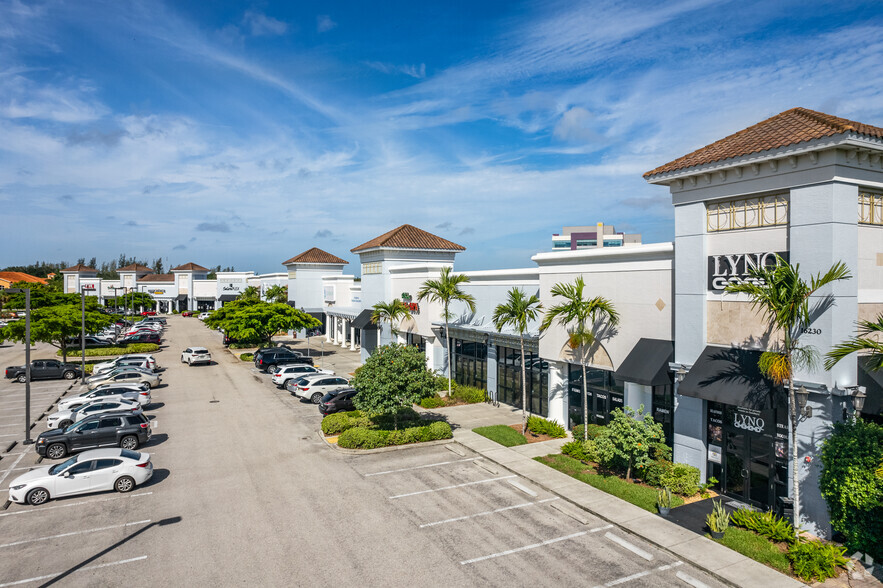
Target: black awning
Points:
x,y
731,376
228,297
647,363
872,380
363,321
318,315
181,297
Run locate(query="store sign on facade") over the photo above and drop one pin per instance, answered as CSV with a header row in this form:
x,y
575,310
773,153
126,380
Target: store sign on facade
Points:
x,y
724,270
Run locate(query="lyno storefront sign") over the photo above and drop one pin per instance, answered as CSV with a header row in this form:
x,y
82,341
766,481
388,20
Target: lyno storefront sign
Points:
x,y
733,268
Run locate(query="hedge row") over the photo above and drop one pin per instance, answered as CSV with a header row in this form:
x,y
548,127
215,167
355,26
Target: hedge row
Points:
x,y
365,438
102,351
337,423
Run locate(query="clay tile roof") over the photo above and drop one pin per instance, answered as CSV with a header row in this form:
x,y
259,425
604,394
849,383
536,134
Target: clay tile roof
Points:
x,y
315,255
79,268
787,128
409,237
190,267
21,277
135,268
157,278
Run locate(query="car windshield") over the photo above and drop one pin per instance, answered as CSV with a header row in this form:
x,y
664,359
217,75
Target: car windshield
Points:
x,y
60,467
329,396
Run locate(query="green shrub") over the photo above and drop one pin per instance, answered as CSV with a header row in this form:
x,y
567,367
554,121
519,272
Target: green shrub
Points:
x,y
468,394
244,344
575,449
432,402
816,560
653,473
363,438
246,356
594,431
502,434
766,524
541,426
660,451
681,478
439,430
103,351
404,417
339,422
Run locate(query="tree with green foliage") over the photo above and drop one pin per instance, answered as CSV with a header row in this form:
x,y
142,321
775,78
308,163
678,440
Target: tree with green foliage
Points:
x,y
867,342
42,296
250,293
395,376
628,439
584,319
851,486
446,289
138,300
392,312
257,321
56,325
781,294
518,311
277,293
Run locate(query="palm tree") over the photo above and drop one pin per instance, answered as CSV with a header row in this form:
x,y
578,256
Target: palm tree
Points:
x,y
250,293
862,343
392,312
584,317
445,290
517,311
277,293
782,295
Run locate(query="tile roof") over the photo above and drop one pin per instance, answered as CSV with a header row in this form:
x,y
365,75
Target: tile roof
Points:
x,y
787,128
157,278
135,267
315,255
409,237
21,277
190,267
80,268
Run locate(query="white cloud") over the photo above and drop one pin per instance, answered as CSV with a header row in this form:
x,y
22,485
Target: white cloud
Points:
x,y
415,71
324,23
576,125
259,24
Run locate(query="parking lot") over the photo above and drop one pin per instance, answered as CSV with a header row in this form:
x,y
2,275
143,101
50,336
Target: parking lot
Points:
x,y
246,492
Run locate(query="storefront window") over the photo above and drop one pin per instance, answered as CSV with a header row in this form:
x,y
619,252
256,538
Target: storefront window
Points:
x,y
416,340
470,363
509,379
604,393
663,410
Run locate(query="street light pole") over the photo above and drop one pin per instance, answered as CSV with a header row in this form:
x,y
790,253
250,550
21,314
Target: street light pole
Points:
x,y
27,291
83,334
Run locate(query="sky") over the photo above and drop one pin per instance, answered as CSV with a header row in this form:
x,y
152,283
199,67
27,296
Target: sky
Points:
x,y
243,133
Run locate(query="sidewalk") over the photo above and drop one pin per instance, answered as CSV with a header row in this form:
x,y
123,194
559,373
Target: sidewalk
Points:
x,y
722,562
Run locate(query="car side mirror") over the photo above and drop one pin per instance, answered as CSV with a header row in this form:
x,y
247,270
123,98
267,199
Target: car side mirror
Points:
x,y
68,475
78,432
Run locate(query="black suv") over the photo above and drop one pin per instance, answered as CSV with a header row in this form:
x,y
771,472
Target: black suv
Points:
x,y
264,360
338,401
113,429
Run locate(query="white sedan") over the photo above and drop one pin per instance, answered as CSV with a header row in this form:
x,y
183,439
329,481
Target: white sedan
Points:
x,y
204,315
91,471
130,392
193,355
287,372
65,418
151,362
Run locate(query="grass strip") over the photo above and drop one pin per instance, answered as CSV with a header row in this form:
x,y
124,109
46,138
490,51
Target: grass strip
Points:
x,y
502,434
758,548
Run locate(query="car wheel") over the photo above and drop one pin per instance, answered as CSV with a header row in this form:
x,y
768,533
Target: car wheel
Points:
x,y
69,375
316,398
56,451
37,496
129,442
124,484
22,378
65,424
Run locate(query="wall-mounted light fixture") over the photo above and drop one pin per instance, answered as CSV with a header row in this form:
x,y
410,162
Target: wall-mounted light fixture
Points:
x,y
858,398
802,395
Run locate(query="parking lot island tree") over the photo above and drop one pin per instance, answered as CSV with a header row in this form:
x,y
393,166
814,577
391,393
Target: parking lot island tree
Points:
x,y
394,377
254,320
517,311
446,289
782,296
584,319
628,439
56,325
392,312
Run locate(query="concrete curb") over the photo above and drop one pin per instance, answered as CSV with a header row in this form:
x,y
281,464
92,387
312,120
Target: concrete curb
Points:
x,y
722,563
346,451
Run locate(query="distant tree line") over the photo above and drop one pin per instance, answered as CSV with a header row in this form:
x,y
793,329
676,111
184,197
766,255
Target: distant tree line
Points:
x,y
107,270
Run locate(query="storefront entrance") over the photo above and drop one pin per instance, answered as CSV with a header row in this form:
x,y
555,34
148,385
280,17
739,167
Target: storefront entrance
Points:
x,y
749,467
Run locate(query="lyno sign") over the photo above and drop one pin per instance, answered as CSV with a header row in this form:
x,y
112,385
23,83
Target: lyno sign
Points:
x,y
724,270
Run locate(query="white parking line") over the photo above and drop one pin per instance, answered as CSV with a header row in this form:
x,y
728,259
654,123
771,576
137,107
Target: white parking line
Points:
x,y
451,487
523,488
87,568
525,548
8,471
633,548
431,465
44,508
95,530
625,579
691,580
488,512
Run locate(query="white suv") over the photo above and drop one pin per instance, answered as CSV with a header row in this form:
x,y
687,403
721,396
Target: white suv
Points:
x,y
313,388
287,372
193,355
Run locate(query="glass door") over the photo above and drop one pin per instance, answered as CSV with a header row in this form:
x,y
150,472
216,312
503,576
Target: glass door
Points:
x,y
735,473
760,460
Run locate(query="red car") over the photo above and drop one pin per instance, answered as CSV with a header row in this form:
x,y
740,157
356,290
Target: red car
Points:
x,y
148,313
188,313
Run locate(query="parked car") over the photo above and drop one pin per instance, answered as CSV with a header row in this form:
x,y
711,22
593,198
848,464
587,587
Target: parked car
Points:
x,y
92,342
44,369
142,363
284,373
204,315
91,471
151,362
127,431
65,418
150,379
292,384
131,392
339,401
193,355
105,375
267,359
140,338
188,313
148,313
313,388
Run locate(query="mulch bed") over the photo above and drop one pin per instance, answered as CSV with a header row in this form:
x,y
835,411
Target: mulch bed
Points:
x,y
531,437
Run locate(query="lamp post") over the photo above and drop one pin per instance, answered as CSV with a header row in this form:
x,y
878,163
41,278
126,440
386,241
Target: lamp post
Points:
x,y
27,291
83,334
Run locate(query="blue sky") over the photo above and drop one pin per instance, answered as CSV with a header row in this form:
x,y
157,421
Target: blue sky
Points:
x,y
244,133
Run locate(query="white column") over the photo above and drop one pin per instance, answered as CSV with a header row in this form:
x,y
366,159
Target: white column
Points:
x,y
352,338
558,374
329,327
343,323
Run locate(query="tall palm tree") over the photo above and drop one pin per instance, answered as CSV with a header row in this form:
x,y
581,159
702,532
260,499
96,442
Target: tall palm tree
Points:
x,y
863,343
582,317
782,295
391,312
250,293
277,293
518,310
446,289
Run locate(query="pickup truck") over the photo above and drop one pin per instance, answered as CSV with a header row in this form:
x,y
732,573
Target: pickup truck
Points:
x,y
44,369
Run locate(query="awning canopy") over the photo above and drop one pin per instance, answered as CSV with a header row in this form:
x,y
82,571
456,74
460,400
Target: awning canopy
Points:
x,y
731,376
647,363
363,321
228,297
873,382
181,297
318,315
